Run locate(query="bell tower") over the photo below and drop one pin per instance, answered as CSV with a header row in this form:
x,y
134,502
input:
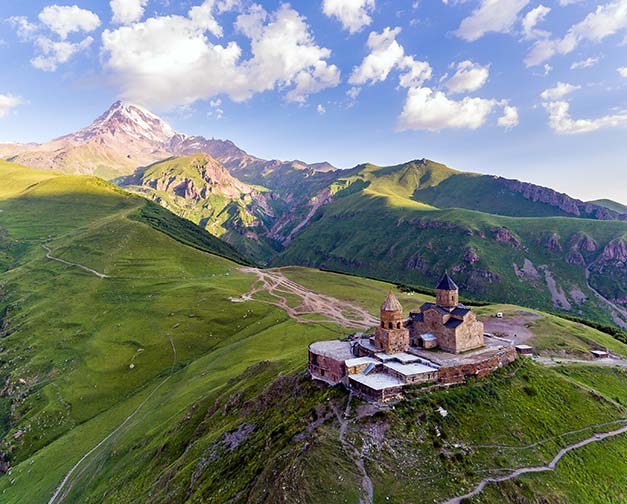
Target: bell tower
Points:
x,y
447,293
391,336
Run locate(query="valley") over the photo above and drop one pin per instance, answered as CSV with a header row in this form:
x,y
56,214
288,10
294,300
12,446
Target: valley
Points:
x,y
154,379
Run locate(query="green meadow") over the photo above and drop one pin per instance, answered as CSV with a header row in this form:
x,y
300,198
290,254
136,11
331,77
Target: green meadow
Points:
x,y
152,385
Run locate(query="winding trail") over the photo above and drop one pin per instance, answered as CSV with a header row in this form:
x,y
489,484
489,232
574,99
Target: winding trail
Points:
x,y
67,483
535,469
620,314
75,265
358,456
279,286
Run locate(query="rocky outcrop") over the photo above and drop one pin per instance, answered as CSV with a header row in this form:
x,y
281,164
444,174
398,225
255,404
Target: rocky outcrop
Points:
x,y
553,243
581,242
575,257
615,251
416,262
471,256
504,235
565,203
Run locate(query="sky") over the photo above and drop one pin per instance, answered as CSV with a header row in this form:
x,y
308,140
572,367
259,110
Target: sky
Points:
x,y
529,89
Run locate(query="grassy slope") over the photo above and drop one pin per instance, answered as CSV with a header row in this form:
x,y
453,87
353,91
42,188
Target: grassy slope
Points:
x,y
70,384
612,205
376,227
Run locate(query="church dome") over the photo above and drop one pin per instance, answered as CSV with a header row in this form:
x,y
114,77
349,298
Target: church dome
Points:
x,y
391,304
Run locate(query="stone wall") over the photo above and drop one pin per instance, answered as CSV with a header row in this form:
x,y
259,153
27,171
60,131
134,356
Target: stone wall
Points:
x,y
326,368
459,373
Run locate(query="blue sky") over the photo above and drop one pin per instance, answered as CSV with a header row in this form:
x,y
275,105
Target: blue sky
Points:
x,y
534,90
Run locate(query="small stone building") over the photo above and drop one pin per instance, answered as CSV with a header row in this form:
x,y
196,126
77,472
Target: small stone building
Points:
x,y
454,325
391,336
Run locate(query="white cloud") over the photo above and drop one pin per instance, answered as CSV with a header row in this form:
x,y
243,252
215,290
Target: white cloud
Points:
x,y
509,119
64,19
547,69
353,92
8,102
51,54
127,11
468,76
491,16
427,109
353,14
320,109
561,121
622,71
606,20
24,28
564,3
168,60
386,54
560,90
588,62
532,19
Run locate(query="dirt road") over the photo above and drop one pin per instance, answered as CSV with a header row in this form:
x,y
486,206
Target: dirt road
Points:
x,y
75,265
310,303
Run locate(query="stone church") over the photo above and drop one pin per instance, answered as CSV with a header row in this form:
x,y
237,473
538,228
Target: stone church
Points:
x,y
447,324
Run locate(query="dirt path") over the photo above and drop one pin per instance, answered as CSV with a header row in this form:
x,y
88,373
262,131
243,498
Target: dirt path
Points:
x,y
535,469
514,327
554,361
357,456
68,482
619,314
67,263
334,310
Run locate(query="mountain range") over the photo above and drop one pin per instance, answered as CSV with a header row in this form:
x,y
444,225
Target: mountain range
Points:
x,y
504,239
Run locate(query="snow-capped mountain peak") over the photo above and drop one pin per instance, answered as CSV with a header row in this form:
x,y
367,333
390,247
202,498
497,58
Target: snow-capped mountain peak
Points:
x,y
127,120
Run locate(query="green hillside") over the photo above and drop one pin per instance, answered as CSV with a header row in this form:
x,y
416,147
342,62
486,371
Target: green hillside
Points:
x,y
133,372
612,205
384,223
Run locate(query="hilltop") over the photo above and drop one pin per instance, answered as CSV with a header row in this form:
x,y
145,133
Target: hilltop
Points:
x,y
142,361
505,239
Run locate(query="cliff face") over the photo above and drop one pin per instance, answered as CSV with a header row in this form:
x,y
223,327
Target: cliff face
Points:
x,y
615,251
562,201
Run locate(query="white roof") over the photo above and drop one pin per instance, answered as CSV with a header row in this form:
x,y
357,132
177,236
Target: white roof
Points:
x,y
428,337
384,357
524,347
405,357
377,381
336,349
409,369
358,361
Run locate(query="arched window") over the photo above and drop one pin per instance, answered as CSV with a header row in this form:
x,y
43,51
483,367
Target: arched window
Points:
x,y
382,324
390,325
398,325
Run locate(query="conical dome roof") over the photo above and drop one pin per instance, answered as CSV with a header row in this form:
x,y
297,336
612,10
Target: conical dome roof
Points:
x,y
446,283
391,304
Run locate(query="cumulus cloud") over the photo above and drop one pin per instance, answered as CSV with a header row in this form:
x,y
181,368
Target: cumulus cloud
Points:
x,y
491,16
622,71
509,119
533,18
560,90
428,109
320,109
587,63
64,19
167,61
127,11
562,123
49,37
52,54
8,102
386,54
606,20
468,76
353,14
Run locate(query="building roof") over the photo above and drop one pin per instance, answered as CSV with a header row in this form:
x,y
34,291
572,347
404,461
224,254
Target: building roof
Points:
x,y
335,349
428,337
412,369
453,323
405,358
417,316
446,283
391,304
359,361
377,381
460,311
